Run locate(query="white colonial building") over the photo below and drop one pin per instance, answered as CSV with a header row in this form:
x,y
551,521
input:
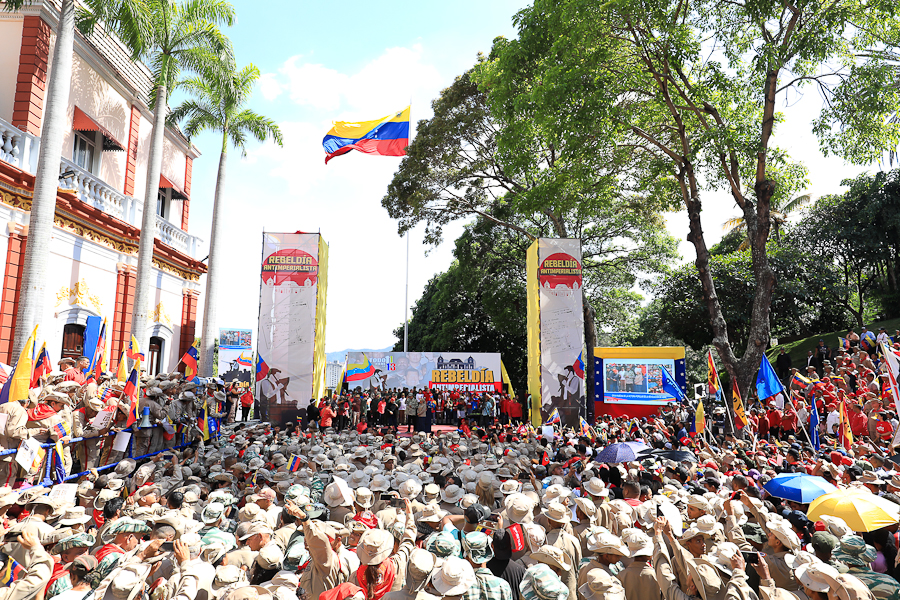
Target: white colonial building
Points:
x,y
102,180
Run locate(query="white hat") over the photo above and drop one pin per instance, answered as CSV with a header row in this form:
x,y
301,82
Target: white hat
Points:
x,y
364,497
816,576
454,577
375,545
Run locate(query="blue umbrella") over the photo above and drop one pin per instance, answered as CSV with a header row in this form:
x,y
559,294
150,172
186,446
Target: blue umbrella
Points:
x,y
798,487
616,453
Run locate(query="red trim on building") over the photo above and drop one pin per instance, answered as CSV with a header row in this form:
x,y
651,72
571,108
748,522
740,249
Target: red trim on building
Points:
x,y
121,326
131,159
188,320
9,301
186,205
31,81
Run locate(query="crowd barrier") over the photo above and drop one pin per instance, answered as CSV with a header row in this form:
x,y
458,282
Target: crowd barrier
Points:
x,y
47,465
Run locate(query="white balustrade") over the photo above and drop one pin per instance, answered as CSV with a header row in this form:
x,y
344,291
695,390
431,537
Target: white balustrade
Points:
x,y
18,148
21,149
91,190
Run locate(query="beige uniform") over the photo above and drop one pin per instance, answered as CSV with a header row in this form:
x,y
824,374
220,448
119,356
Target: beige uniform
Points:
x,y
10,438
639,581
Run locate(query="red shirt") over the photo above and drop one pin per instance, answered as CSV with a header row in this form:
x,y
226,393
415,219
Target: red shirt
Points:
x,y
774,417
73,374
325,416
247,399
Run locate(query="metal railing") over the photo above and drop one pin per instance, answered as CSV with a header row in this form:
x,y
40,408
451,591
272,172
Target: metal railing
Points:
x,y
47,464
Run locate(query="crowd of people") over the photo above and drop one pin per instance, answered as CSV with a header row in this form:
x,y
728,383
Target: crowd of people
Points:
x,y
491,512
357,509
416,410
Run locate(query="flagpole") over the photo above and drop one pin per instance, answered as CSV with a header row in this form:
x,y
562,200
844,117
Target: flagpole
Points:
x,y
406,300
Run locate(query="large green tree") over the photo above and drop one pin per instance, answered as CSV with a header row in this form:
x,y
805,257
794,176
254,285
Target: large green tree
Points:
x,y
218,103
454,169
683,95
858,232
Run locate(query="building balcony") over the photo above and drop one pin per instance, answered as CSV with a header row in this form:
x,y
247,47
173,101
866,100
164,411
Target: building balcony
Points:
x,y
20,149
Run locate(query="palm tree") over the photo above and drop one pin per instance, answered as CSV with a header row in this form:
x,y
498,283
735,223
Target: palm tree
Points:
x,y
219,97
778,216
177,36
43,203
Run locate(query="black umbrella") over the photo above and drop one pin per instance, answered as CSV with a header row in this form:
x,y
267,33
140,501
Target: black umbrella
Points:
x,y
676,455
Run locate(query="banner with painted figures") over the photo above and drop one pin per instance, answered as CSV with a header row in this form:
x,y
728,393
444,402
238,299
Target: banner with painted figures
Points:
x,y
292,301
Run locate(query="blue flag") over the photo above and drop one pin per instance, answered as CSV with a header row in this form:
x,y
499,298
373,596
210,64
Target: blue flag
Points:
x,y
767,382
669,385
814,426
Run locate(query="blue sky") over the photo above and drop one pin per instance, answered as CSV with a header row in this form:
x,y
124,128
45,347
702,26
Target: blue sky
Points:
x,y
337,61
359,61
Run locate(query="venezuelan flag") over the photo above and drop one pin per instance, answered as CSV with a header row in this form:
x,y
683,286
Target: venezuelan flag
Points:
x,y
262,368
133,350
586,429
388,136
358,372
800,380
190,362
41,367
203,421
554,418
244,361
579,365
19,381
295,463
635,429
844,343
62,429
132,386
12,572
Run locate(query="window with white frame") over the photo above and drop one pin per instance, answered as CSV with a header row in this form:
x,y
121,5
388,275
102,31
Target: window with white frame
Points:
x,y
162,202
85,150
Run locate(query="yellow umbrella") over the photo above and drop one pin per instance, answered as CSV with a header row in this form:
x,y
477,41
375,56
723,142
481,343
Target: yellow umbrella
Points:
x,y
861,510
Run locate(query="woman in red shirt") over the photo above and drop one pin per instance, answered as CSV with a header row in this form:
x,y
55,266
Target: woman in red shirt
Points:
x,y
326,414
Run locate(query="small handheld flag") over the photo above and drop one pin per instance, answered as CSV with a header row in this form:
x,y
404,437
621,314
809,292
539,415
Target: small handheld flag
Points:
x,y
262,369
203,420
586,429
19,381
554,418
12,572
96,367
579,365
712,376
814,426
41,367
845,435
699,424
190,359
740,417
844,343
122,372
133,350
131,392
295,463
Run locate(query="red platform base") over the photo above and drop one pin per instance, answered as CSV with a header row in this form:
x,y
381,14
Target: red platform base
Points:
x,y
625,410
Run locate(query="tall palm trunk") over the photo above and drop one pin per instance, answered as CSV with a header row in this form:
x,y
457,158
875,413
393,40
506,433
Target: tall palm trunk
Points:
x,y
141,311
210,332
43,204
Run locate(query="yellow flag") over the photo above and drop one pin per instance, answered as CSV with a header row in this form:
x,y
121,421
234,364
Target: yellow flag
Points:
x,y
20,380
122,374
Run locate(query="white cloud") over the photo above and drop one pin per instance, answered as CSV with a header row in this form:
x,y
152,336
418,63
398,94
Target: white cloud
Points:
x,y
384,84
269,86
